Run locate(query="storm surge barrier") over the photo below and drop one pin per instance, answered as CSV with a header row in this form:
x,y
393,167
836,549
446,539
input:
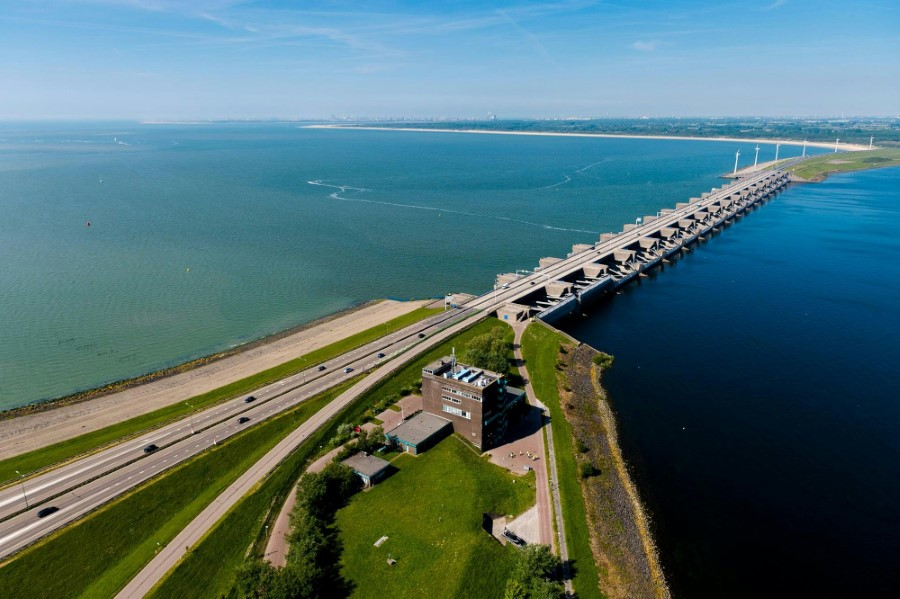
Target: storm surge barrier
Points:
x,y
558,286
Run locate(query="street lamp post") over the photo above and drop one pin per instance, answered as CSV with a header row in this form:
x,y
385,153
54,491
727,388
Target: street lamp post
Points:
x,y
22,482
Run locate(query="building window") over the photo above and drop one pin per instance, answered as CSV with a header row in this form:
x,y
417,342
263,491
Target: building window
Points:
x,y
461,393
456,412
451,399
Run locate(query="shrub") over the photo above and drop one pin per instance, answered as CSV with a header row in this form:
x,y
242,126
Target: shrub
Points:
x,y
588,470
581,446
603,360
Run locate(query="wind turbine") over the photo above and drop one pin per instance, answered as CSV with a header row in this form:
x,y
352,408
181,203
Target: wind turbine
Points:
x,y
804,147
755,160
836,144
777,147
871,140
736,156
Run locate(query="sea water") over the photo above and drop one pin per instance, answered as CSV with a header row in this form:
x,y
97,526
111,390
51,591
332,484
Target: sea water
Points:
x,y
756,387
125,247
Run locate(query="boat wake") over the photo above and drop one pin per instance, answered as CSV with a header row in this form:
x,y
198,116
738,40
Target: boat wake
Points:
x,y
336,195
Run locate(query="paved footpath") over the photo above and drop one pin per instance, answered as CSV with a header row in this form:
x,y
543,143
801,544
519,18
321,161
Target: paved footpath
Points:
x,y
173,552
519,328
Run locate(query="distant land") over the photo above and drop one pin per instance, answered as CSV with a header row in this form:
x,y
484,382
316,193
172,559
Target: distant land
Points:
x,y
858,130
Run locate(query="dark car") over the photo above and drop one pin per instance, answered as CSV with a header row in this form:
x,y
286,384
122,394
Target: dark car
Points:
x,y
151,448
421,335
514,538
249,399
348,369
243,420
322,367
47,511
380,355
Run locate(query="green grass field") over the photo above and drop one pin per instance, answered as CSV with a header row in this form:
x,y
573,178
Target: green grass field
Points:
x,y
819,167
61,452
215,559
540,349
98,555
431,510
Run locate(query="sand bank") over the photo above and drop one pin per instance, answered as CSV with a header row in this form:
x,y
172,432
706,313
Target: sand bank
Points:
x,y
811,144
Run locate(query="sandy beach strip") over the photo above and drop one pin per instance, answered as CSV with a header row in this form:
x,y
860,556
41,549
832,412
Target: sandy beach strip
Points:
x,y
785,142
32,431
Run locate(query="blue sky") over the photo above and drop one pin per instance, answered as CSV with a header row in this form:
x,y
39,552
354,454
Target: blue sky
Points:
x,y
213,59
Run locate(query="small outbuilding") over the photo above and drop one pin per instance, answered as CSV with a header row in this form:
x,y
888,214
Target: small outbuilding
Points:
x,y
369,468
420,432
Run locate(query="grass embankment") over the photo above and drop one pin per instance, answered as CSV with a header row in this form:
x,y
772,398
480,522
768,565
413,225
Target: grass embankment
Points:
x,y
98,555
431,510
541,350
622,542
61,452
819,167
216,558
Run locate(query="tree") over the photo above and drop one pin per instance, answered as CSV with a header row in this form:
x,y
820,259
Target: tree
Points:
x,y
489,351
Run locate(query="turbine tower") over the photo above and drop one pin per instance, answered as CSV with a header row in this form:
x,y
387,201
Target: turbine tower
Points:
x,y
755,160
836,142
871,141
777,147
736,156
804,147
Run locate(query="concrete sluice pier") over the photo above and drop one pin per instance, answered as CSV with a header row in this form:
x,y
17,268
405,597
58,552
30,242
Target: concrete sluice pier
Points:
x,y
618,258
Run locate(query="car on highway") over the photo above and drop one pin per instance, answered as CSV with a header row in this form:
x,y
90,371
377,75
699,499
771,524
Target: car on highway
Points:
x,y
249,399
243,420
380,355
348,369
322,367
151,448
47,511
421,335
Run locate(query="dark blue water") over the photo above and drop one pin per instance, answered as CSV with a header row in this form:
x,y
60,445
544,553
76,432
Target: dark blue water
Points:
x,y
205,236
756,384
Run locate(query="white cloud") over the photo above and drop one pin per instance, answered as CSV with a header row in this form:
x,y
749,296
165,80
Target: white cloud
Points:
x,y
645,46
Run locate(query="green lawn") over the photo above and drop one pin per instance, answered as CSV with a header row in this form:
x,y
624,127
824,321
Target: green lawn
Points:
x,y
540,349
98,555
819,167
66,450
215,559
431,509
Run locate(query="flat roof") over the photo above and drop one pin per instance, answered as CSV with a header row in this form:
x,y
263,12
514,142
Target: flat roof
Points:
x,y
367,465
419,428
463,373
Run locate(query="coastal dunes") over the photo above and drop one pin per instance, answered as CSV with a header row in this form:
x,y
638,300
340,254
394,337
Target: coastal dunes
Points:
x,y
786,142
32,431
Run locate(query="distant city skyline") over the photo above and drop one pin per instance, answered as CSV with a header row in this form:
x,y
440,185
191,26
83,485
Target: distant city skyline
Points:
x,y
227,59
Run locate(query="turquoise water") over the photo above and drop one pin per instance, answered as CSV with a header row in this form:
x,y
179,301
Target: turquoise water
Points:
x,y
206,236
756,386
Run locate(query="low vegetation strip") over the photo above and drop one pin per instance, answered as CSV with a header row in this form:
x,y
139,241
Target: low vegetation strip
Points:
x,y
623,547
61,452
542,349
819,167
98,555
241,534
431,510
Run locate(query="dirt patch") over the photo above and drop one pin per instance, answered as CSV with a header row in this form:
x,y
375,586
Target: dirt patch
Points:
x,y
621,541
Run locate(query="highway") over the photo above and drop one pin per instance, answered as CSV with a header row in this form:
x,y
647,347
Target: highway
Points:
x,y
80,486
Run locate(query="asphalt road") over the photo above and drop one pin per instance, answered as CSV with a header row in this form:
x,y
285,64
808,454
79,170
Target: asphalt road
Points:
x,y
85,484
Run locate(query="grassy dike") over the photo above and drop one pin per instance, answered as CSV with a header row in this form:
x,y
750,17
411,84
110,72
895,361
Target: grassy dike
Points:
x,y
819,167
97,556
242,531
540,349
61,452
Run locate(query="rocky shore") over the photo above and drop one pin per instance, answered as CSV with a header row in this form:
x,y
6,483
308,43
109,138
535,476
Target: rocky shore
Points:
x,y
621,539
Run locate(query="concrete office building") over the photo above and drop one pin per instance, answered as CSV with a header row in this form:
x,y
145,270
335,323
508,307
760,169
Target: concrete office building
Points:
x,y
478,402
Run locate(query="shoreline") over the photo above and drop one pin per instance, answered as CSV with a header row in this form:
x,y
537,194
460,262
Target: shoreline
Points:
x,y
786,142
104,389
43,425
622,541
